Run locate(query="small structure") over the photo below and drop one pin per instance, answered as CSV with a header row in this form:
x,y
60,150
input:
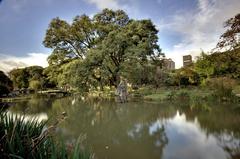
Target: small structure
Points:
x,y
122,91
187,60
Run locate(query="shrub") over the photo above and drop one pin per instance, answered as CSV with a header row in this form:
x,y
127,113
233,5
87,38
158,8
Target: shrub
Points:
x,y
35,85
222,87
171,95
183,95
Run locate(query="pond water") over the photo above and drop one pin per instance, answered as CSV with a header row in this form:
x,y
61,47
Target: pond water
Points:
x,y
143,130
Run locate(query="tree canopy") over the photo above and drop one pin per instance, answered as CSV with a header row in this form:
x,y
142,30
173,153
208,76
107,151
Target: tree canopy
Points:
x,y
23,77
231,37
107,46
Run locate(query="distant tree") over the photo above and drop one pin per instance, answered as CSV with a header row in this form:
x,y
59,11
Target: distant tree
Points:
x,y
19,78
231,38
22,77
204,65
6,84
219,64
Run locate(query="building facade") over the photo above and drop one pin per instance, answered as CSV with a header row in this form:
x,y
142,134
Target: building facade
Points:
x,y
187,60
169,64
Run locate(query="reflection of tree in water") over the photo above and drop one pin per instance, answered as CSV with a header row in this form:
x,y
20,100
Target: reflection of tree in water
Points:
x,y
119,130
222,122
230,144
32,106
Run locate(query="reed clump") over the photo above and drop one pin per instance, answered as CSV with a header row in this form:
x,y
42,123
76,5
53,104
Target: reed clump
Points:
x,y
21,138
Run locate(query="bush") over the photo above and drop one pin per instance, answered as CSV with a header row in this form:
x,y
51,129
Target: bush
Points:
x,y
183,95
222,87
171,95
35,85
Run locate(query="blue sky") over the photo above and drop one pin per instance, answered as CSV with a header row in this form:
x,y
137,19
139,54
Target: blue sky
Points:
x,y
185,26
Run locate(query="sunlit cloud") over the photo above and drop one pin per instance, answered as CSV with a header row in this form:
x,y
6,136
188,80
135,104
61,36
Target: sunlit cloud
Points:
x,y
199,29
8,63
101,4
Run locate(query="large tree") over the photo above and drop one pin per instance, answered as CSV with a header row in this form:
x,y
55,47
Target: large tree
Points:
x,y
107,45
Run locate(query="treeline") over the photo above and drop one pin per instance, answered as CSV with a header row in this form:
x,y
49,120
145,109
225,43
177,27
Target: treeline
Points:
x,y
32,78
207,66
92,53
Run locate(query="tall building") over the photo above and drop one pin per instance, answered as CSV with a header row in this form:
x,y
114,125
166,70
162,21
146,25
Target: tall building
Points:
x,y
169,64
187,60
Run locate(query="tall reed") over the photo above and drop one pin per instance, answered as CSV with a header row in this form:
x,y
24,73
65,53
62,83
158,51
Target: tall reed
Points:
x,y
21,138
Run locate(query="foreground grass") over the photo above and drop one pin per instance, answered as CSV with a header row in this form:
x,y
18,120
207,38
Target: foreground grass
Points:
x,y
21,138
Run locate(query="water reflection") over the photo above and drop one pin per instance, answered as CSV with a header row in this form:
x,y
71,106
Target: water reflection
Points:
x,y
145,130
188,140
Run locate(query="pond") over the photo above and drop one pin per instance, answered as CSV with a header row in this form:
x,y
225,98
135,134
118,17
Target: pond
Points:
x,y
143,130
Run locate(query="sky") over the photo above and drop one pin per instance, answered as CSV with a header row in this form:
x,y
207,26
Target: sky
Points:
x,y
185,26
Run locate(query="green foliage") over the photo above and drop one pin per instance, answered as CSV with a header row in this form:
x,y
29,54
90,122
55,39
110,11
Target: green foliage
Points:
x,y
171,95
183,77
222,87
35,84
19,78
183,95
219,64
230,39
22,138
22,77
103,48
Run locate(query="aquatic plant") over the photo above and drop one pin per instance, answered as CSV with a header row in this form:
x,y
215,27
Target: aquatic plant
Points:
x,y
21,138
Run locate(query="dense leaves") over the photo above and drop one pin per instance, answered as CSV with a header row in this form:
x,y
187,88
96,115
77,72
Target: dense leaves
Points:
x,y
29,77
230,39
100,49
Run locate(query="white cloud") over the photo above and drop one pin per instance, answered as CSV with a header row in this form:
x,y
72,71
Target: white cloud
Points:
x,y
199,29
8,63
101,4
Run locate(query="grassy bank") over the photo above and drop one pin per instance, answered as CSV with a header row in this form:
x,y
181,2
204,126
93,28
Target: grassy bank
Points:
x,y
21,138
190,93
174,93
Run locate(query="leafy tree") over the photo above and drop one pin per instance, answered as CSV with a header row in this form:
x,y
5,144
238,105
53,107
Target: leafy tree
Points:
x,y
19,78
230,38
105,47
219,64
23,76
204,65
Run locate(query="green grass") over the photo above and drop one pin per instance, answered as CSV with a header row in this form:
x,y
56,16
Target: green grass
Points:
x,y
179,93
21,138
158,96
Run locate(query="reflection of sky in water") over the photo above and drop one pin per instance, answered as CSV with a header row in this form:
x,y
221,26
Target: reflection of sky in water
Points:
x,y
38,117
132,133
186,140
